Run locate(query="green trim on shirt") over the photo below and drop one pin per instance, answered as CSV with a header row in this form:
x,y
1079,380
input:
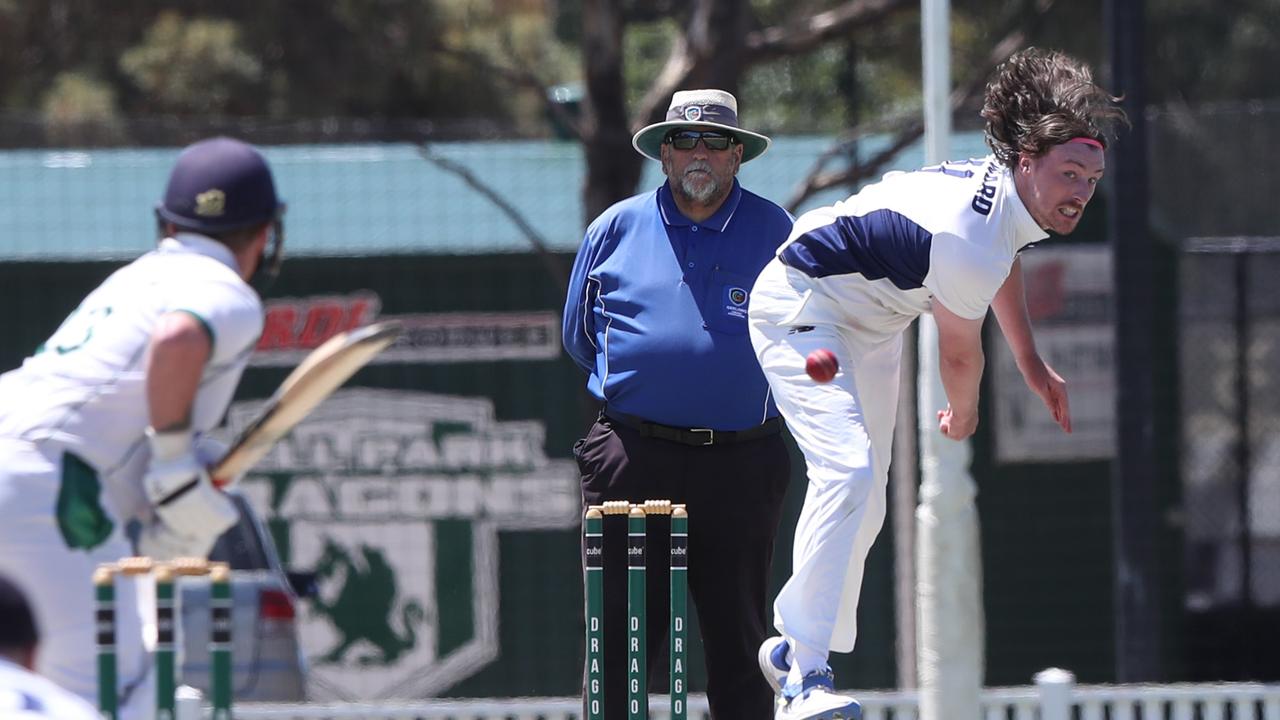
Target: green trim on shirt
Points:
x,y
208,329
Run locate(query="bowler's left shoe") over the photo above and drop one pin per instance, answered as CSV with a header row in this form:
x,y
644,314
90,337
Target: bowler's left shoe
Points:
x,y
815,698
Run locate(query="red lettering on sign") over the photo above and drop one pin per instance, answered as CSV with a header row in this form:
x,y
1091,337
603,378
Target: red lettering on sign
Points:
x,y
277,328
324,320
357,312
297,324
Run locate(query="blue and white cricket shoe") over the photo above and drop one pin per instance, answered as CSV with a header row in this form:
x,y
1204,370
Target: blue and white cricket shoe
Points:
x,y
774,662
814,698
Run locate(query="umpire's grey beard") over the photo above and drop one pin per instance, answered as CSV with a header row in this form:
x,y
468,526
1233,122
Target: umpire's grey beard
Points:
x,y
699,190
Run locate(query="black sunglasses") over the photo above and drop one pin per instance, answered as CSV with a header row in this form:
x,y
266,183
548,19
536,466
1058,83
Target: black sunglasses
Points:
x,y
688,140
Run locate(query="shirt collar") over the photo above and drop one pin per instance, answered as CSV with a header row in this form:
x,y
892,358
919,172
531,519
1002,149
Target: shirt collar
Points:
x,y
671,214
200,245
1026,231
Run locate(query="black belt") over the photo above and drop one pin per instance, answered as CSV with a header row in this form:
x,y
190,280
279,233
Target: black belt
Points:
x,y
694,436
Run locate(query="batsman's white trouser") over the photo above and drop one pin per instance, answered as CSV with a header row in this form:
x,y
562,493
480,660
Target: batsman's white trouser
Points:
x,y
845,430
58,582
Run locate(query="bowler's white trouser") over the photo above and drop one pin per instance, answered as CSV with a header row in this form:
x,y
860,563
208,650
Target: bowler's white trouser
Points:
x,y
845,430
58,582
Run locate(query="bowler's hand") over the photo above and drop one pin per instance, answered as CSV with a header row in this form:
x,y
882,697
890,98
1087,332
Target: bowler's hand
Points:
x,y
957,426
1051,388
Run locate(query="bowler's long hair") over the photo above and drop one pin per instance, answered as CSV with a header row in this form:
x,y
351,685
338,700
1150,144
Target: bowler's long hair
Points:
x,y
1041,98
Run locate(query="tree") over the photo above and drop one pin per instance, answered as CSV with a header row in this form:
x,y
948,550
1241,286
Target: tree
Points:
x,y
193,66
719,41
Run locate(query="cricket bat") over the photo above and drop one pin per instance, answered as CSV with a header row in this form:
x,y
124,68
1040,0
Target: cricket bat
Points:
x,y
319,374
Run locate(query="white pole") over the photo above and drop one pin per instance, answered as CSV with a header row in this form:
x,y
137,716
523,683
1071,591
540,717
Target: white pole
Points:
x,y
950,626
935,29
187,703
1054,687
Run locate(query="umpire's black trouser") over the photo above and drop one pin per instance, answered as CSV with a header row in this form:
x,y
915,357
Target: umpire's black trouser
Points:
x,y
734,496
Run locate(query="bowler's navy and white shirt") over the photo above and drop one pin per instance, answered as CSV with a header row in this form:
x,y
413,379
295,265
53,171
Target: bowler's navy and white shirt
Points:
x,y
874,262
656,312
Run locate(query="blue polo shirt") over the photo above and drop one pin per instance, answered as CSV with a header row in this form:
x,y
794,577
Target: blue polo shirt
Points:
x,y
657,309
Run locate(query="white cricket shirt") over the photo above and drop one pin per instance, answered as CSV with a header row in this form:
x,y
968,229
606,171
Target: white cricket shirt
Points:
x,y
25,695
874,262
85,387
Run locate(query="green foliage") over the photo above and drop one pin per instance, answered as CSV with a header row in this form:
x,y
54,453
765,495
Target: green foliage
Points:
x,y
645,49
193,66
79,109
524,41
797,94
382,58
76,97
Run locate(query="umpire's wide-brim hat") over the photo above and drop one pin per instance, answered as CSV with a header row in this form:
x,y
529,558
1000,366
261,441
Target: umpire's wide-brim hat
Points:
x,y
700,110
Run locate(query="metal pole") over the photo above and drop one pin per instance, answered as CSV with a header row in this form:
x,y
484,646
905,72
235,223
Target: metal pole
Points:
x,y
1134,506
1243,458
904,480
935,31
949,634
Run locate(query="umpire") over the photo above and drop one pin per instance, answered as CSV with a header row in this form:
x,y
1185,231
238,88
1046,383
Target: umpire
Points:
x,y
656,315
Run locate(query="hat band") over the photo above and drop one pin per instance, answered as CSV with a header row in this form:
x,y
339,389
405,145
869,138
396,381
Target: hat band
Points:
x,y
703,112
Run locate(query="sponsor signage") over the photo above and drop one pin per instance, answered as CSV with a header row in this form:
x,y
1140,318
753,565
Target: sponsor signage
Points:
x,y
295,326
395,500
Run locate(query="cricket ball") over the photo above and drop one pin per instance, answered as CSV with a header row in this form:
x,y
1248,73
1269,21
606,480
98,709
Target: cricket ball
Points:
x,y
821,365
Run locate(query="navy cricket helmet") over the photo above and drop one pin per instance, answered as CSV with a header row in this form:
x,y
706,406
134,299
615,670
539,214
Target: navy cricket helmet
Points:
x,y
220,185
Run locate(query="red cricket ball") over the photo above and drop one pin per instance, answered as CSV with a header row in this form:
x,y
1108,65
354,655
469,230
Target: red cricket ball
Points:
x,y
821,365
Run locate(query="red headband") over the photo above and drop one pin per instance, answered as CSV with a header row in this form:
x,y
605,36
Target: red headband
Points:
x,y
1087,141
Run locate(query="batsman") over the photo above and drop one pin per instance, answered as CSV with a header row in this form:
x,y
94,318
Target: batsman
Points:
x,y
107,422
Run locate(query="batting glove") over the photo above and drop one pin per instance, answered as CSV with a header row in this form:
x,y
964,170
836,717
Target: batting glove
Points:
x,y
190,513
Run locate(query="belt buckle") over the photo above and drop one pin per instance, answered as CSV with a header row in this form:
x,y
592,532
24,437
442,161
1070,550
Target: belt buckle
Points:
x,y
711,434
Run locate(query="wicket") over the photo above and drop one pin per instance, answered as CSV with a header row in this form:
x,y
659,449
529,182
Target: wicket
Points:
x,y
637,687
165,657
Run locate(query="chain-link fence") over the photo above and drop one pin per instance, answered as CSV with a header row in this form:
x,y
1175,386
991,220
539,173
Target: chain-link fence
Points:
x,y
354,194
1213,196
1230,398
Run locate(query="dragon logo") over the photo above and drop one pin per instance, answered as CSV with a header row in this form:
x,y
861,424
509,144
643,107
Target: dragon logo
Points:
x,y
363,607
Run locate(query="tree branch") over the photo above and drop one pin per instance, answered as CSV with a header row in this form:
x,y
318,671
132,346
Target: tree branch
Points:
x,y
1020,26
517,75
553,265
798,37
802,35
817,180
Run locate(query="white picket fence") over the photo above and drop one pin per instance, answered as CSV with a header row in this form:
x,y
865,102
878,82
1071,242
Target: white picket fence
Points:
x,y
1054,697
